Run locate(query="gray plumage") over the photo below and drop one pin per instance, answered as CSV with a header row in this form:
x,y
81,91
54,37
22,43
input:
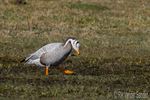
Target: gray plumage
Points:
x,y
52,58
52,54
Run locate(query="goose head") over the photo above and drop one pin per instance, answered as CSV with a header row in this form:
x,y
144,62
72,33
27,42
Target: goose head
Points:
x,y
74,43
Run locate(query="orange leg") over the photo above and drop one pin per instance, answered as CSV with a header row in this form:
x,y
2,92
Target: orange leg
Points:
x,y
46,71
66,71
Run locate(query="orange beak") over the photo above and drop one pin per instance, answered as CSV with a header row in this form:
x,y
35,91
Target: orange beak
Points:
x,y
78,53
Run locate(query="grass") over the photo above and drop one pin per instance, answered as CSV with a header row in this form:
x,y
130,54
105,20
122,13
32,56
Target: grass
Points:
x,y
87,6
114,37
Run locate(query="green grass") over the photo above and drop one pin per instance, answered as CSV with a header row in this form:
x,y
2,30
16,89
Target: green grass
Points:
x,y
115,48
87,6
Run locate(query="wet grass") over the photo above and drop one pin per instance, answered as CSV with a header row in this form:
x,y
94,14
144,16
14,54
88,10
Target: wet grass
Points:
x,y
102,77
114,37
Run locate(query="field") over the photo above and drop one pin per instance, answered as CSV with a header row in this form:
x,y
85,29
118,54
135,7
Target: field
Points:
x,y
115,49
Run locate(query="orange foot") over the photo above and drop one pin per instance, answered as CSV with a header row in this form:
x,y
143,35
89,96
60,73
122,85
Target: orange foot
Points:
x,y
68,72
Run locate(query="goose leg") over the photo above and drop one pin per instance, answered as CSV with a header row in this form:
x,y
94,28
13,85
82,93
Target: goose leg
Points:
x,y
46,71
66,71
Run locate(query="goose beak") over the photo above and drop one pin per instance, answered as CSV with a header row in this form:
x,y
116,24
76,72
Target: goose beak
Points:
x,y
78,53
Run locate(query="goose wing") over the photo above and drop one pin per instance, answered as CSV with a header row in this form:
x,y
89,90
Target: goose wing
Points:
x,y
47,48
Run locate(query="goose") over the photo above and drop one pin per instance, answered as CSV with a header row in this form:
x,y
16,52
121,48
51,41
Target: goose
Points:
x,y
53,54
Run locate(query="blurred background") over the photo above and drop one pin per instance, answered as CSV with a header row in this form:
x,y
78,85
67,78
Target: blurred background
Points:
x,y
115,47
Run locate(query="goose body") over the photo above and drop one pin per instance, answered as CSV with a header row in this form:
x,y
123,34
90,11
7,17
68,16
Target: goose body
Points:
x,y
53,54
56,56
34,58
